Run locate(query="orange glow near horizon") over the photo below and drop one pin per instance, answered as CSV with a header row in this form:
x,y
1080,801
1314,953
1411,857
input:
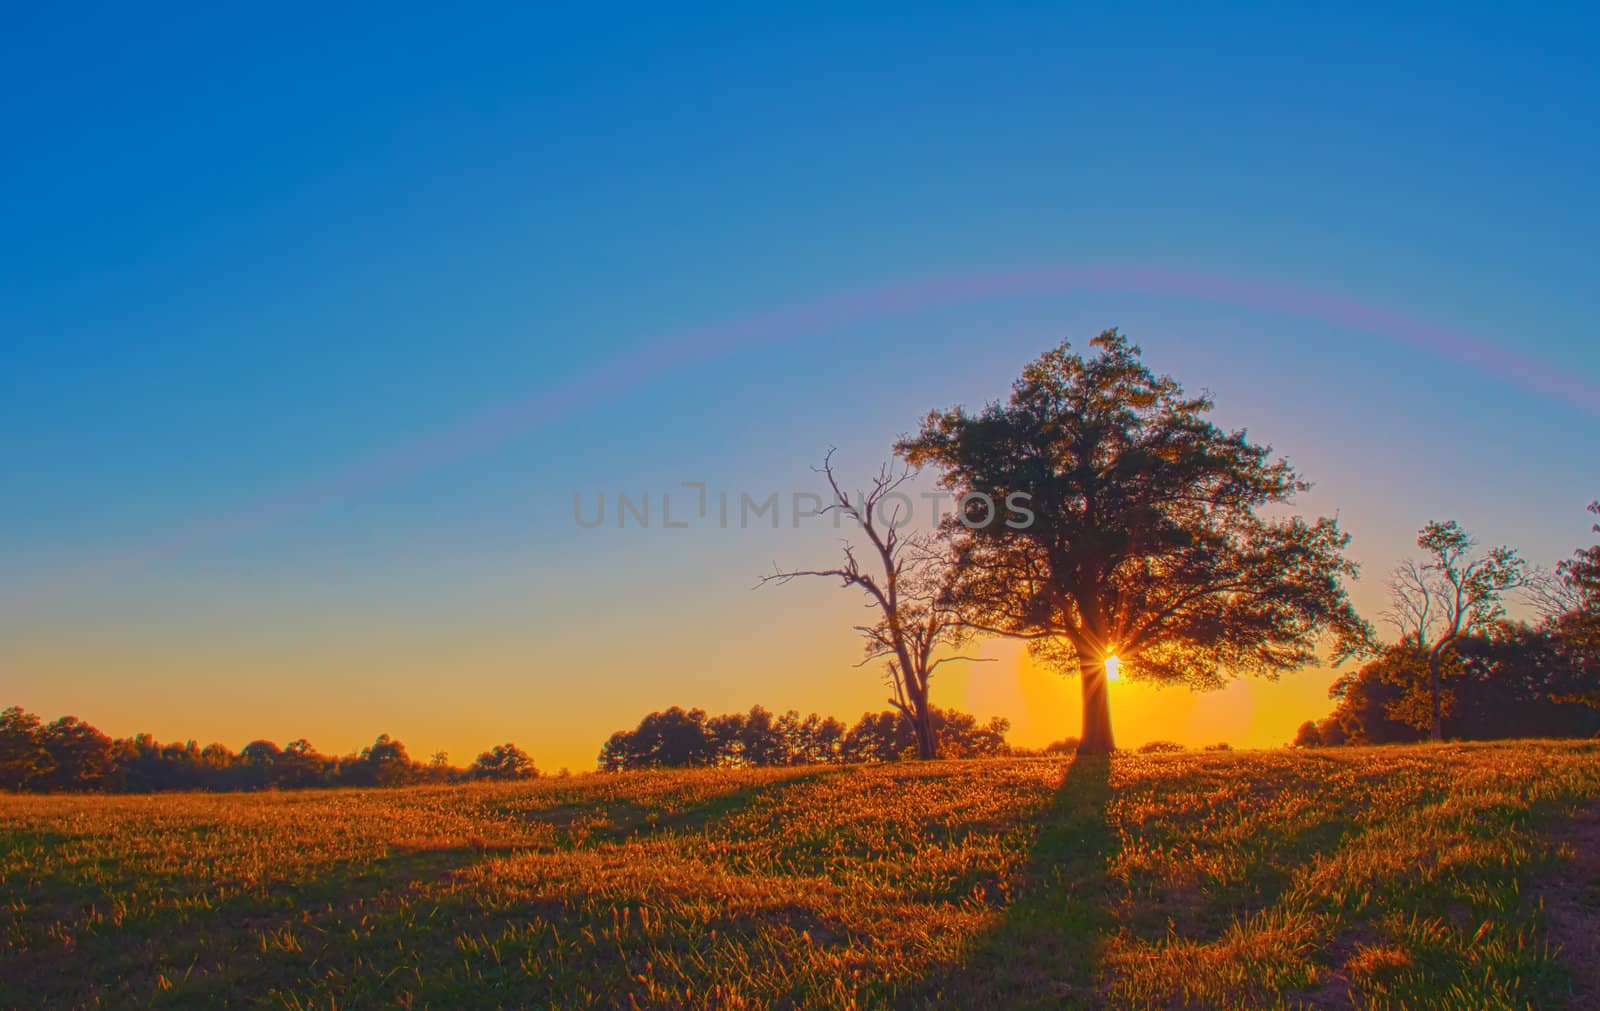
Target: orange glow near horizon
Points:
x,y
463,688
564,726
1045,706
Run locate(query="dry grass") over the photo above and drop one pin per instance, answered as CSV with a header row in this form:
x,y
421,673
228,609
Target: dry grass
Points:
x,y
1370,878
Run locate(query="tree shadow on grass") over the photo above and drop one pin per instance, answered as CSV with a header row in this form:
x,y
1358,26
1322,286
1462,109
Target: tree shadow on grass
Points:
x,y
209,939
1043,952
623,820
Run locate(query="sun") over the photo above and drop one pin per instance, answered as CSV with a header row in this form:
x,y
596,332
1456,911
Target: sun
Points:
x,y
1113,669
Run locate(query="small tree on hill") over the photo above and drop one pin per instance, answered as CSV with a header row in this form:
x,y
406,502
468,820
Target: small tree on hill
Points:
x,y
1449,594
385,763
503,761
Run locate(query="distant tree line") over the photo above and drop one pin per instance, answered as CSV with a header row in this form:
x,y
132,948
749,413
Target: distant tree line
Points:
x,y
1461,669
70,756
679,738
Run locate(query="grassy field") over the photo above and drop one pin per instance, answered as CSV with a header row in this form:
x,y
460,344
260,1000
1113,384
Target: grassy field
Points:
x,y
1423,876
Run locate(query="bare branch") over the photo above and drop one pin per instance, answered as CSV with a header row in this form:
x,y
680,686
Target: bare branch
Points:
x,y
907,586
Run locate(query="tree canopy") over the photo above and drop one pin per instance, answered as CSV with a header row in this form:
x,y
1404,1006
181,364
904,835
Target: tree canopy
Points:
x,y
502,762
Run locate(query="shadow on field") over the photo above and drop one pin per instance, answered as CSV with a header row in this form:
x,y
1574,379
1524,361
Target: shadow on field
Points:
x,y
1042,954
582,822
189,936
185,947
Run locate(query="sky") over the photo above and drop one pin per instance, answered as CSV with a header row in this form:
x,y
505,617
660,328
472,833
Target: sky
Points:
x,y
314,323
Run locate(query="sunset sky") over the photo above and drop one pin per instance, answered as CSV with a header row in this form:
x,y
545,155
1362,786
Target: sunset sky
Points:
x,y
312,328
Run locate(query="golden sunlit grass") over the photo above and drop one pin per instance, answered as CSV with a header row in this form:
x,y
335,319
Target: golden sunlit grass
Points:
x,y
1364,877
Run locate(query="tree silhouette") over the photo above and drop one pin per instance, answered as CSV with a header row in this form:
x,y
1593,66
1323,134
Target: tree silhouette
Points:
x,y
758,739
385,763
1372,701
23,758
1511,681
675,738
1450,594
1145,540
259,763
1578,623
886,737
70,755
300,764
503,761
670,739
81,757
904,584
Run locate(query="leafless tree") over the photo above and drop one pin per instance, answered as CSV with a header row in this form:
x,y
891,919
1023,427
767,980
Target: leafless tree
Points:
x,y
904,583
1450,594
1552,594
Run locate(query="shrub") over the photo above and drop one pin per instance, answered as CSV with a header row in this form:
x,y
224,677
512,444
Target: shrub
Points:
x,y
1159,748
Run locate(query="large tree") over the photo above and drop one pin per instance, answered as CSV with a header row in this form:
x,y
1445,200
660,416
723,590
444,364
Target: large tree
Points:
x,y
1452,593
1146,540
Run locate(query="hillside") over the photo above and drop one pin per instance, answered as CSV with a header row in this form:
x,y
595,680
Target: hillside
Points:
x,y
1439,875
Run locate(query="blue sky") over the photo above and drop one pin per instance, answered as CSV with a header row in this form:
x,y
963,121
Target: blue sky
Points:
x,y
244,253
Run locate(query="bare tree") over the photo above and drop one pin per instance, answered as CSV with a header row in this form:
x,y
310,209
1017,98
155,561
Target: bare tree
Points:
x,y
1450,594
904,583
1552,594
1570,593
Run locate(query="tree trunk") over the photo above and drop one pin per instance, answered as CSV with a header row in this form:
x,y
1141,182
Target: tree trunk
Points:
x,y
1096,737
927,744
1436,689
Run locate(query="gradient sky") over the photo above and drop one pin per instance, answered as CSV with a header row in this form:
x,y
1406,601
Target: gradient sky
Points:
x,y
312,324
